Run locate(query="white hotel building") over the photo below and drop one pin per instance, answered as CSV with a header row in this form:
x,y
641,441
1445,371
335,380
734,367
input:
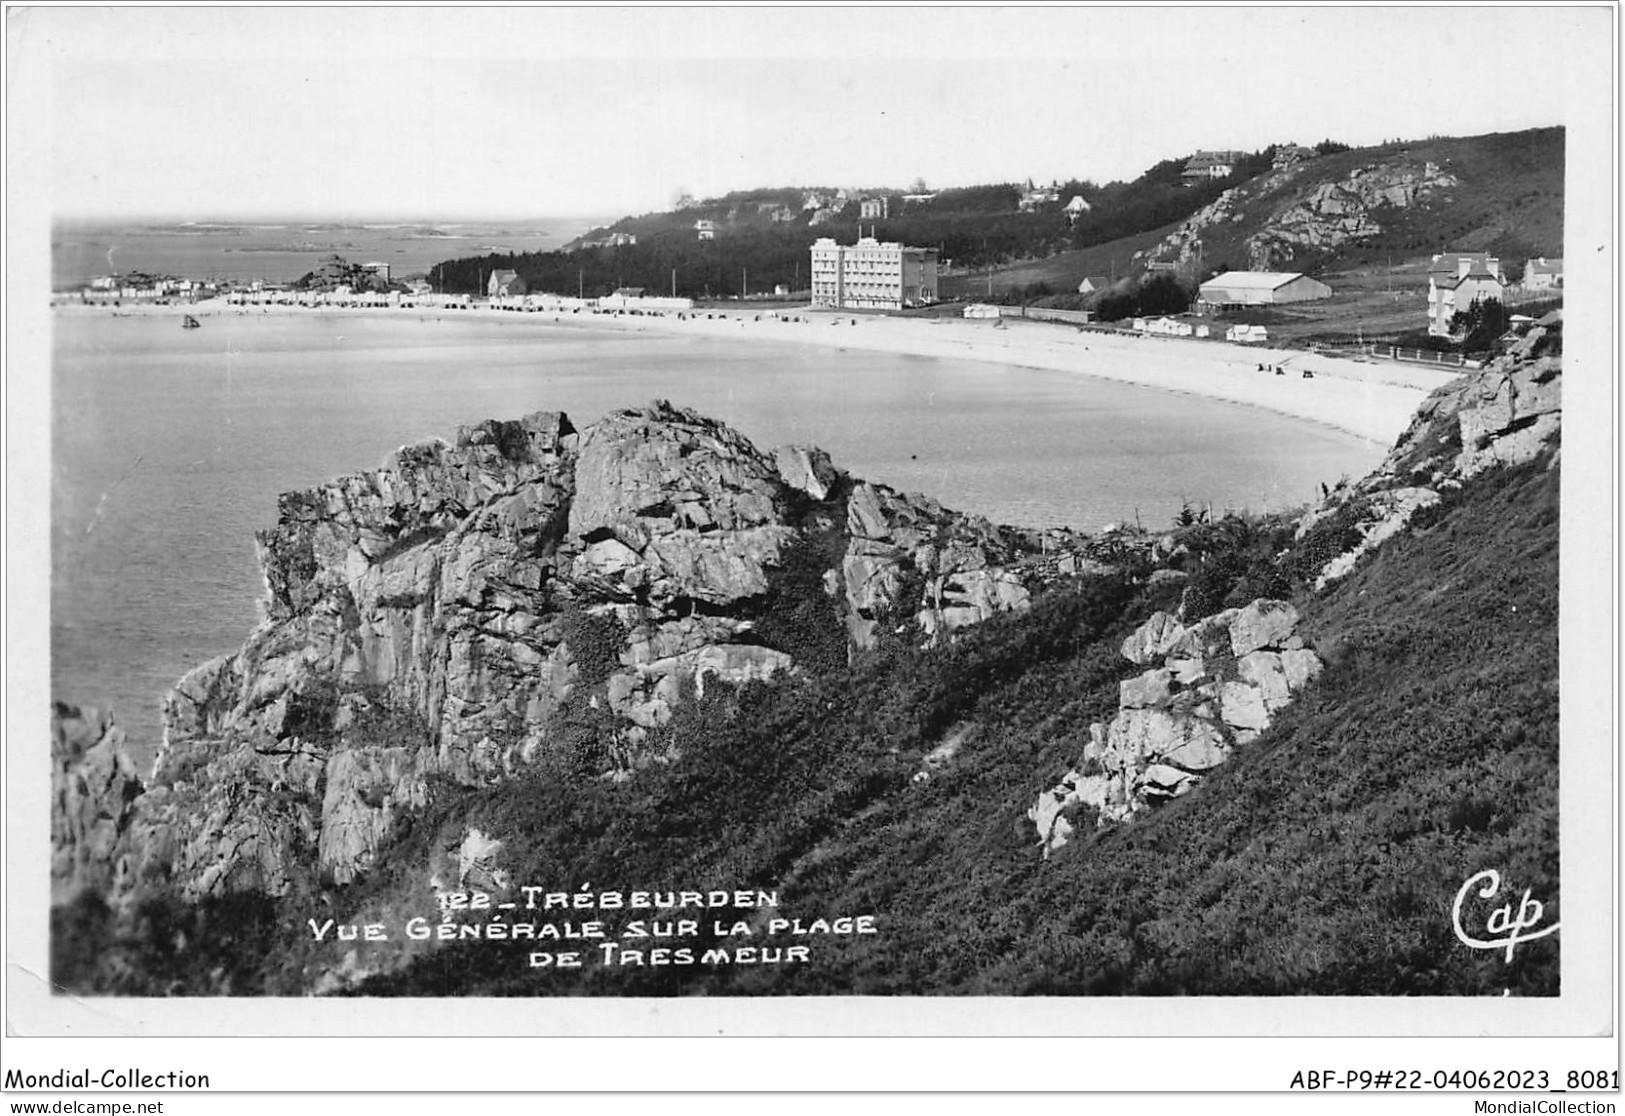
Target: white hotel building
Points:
x,y
871,275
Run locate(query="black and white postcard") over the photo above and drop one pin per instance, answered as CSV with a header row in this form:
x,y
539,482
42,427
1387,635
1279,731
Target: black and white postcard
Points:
x,y
758,521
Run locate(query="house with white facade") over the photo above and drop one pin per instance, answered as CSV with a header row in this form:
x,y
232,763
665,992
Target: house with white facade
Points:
x,y
872,275
1542,274
1455,281
1207,165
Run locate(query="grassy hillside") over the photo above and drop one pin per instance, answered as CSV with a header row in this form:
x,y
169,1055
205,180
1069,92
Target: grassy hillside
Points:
x,y
1060,274
1508,201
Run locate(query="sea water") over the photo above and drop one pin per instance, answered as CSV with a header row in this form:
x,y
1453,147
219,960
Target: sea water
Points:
x,y
170,447
281,252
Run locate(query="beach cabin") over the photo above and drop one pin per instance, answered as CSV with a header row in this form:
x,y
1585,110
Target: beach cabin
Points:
x,y
1169,327
980,310
1247,334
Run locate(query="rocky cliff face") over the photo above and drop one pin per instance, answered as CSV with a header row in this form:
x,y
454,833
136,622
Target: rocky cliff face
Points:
x,y
1334,213
1294,218
459,611
1505,413
93,789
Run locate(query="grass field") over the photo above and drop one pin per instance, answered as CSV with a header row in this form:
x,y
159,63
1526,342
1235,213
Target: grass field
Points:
x,y
1062,271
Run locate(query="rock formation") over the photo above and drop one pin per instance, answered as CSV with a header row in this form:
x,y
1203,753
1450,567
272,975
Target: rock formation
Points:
x,y
1293,219
93,787
1211,686
1506,413
456,614
1335,213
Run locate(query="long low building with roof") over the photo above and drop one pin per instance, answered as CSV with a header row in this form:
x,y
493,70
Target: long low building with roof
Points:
x,y
1261,288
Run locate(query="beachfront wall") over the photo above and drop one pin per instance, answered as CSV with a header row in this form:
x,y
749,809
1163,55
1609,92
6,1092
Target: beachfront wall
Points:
x,y
640,302
1261,288
1049,314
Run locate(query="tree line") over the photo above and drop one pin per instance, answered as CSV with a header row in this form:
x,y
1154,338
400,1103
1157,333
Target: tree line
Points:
x,y
972,228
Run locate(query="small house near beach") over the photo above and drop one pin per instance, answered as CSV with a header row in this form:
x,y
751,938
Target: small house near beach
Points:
x,y
504,284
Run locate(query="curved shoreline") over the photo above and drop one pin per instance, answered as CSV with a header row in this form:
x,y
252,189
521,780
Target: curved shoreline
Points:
x,y
1369,400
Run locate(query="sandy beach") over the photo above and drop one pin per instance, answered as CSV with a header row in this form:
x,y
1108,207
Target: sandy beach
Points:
x,y
1373,400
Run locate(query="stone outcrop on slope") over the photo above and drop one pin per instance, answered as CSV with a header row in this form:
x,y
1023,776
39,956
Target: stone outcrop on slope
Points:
x,y
959,557
1506,413
447,615
1211,686
1293,219
1334,213
93,787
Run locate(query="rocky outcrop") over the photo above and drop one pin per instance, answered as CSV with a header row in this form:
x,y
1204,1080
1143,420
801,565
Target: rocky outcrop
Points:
x,y
956,559
1212,686
94,786
1334,213
1505,413
460,612
1293,219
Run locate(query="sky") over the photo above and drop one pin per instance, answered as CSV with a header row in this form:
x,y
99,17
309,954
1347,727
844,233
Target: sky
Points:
x,y
397,112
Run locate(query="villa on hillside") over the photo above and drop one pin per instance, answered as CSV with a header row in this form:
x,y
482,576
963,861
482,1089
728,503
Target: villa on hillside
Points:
x,y
874,209
1455,281
705,229
1036,197
1207,165
1541,274
1093,284
1291,154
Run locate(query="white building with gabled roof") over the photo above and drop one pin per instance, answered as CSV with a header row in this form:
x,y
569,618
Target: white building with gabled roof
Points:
x,y
1456,280
1261,288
